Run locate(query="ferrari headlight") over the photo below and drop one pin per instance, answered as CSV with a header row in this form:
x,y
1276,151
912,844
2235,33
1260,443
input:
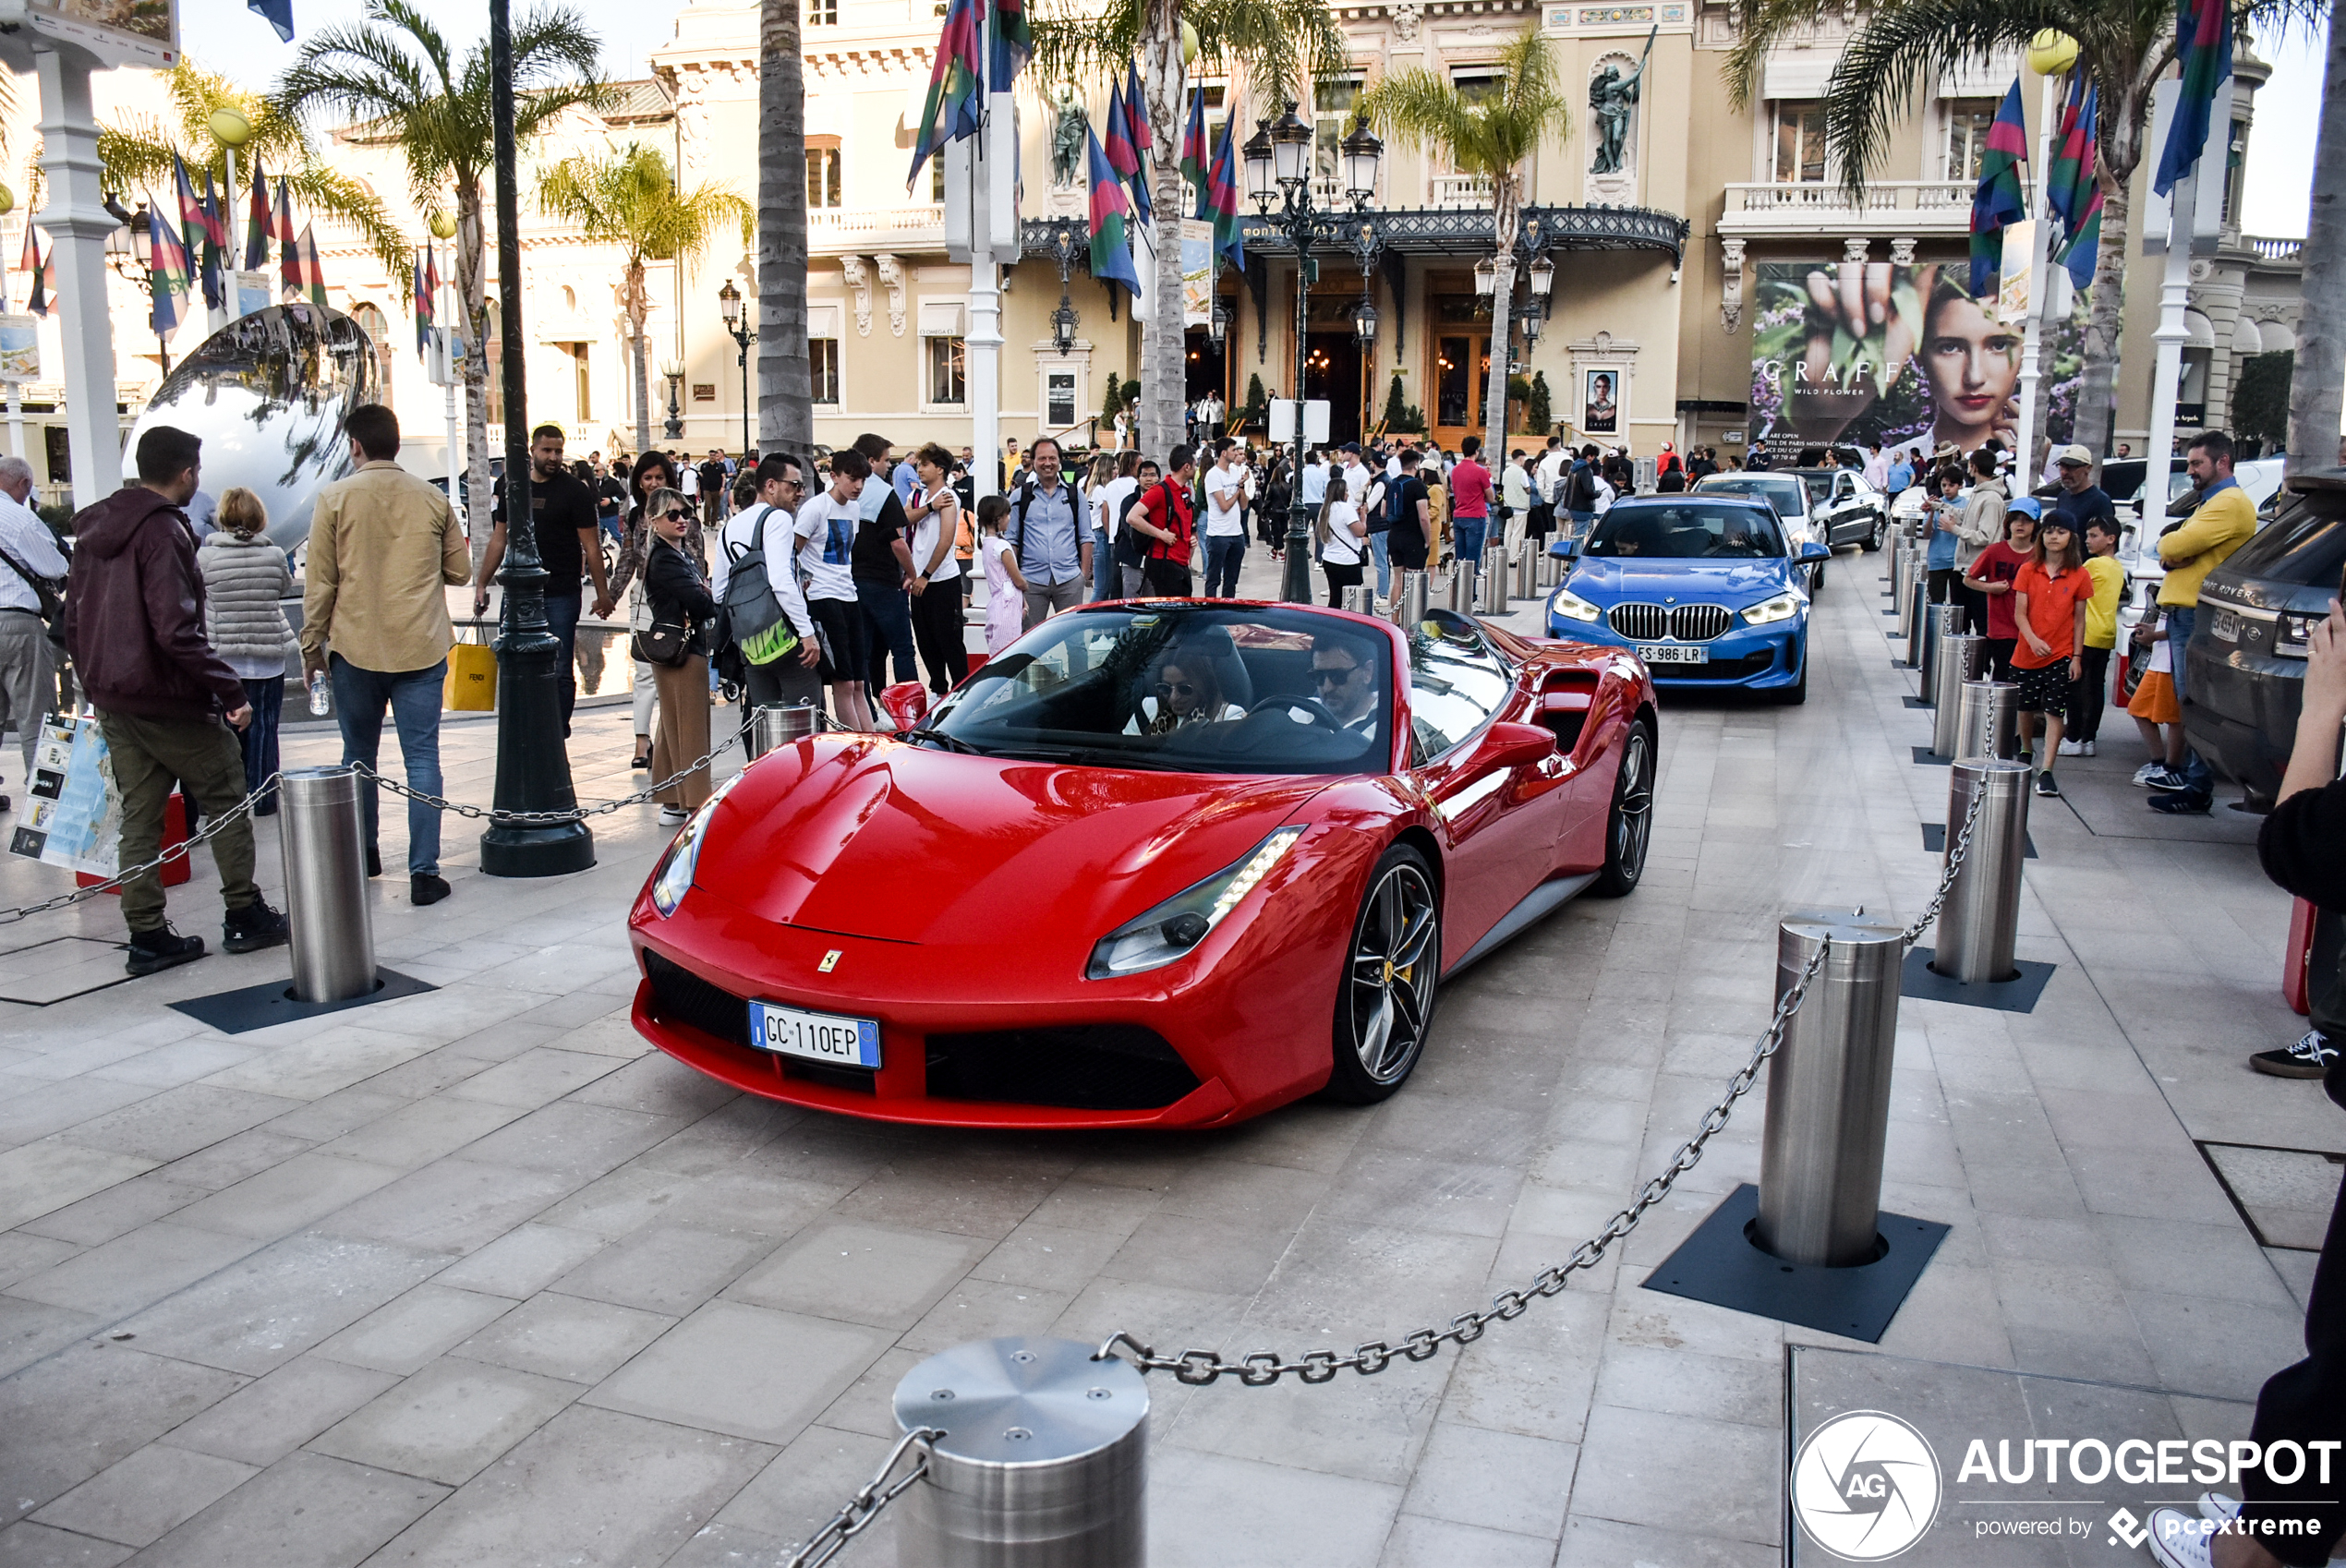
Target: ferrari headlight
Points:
x,y
674,876
1178,925
1572,606
1784,606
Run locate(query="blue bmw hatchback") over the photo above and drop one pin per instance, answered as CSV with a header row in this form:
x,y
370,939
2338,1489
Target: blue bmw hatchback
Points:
x,y
1705,586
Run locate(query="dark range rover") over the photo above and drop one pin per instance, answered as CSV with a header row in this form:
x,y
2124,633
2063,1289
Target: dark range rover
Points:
x,y
2246,662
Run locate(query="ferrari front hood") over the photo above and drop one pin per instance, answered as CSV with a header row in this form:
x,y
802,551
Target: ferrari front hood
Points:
x,y
867,836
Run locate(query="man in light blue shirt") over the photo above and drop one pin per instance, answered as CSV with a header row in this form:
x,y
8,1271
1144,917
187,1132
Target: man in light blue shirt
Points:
x,y
1050,534
1316,477
1902,475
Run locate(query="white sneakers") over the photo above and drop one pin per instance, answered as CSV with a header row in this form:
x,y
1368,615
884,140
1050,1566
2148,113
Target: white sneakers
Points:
x,y
2179,1540
2073,748
673,816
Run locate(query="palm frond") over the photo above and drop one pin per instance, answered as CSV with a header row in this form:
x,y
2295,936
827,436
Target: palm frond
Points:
x,y
1490,137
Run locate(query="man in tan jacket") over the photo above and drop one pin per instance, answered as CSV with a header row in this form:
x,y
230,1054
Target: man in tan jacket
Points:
x,y
375,622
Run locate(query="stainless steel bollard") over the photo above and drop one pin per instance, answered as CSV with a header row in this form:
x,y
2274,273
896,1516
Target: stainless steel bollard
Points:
x,y
1456,590
1963,658
1988,722
1828,1093
1910,618
1547,570
1043,1464
1901,571
1526,572
1981,920
775,727
1361,599
1412,595
1490,590
322,827
1937,623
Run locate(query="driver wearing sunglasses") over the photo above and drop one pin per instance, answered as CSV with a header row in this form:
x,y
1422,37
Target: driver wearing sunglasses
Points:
x,y
1345,683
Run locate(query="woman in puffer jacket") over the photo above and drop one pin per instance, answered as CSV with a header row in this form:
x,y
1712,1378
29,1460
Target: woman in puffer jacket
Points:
x,y
244,578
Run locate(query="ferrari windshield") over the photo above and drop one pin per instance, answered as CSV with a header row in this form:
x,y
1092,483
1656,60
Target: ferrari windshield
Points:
x,y
1688,532
1184,687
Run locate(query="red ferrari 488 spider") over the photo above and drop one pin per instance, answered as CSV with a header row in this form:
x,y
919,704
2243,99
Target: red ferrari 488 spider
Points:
x,y
1159,864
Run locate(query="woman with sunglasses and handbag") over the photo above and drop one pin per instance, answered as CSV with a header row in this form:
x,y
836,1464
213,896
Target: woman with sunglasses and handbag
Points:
x,y
681,607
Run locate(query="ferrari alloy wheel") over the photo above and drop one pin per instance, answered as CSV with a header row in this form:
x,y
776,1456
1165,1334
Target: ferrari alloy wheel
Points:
x,y
1386,1001
1629,829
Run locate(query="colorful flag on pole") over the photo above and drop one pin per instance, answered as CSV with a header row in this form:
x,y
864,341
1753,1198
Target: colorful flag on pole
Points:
x,y
279,14
1219,200
1011,33
2203,50
1998,201
284,233
1136,106
1111,251
288,242
166,271
216,223
257,222
43,267
951,111
313,273
194,222
1195,156
1122,155
2072,190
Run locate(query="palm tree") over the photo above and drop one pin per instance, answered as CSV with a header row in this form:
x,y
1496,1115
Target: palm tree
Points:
x,y
139,152
1276,45
631,201
785,378
2319,373
1492,133
396,75
2124,46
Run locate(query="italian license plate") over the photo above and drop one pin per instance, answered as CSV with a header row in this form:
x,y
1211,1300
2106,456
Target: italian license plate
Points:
x,y
1673,653
815,1037
2225,627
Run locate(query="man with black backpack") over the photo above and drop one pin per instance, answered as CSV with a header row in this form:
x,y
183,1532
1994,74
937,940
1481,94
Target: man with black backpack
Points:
x,y
775,635
1580,490
31,569
1164,515
1050,536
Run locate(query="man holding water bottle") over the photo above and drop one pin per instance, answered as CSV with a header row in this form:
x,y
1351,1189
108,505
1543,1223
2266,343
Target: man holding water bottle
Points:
x,y
382,543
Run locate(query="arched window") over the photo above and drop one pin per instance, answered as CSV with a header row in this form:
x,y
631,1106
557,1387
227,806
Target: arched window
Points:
x,y
372,321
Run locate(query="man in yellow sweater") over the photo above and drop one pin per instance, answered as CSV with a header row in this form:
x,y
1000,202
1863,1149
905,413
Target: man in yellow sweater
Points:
x,y
2220,522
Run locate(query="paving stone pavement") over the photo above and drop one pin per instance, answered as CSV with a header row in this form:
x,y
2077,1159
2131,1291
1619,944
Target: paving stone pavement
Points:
x,y
472,1277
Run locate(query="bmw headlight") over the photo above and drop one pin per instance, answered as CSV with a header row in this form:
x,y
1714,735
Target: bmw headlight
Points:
x,y
1784,606
1572,606
1176,926
673,878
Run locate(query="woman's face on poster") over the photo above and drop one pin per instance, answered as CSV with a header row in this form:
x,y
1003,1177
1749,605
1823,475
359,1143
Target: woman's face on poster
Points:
x,y
1972,364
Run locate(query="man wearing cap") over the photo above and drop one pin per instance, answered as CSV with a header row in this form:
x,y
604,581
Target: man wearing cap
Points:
x,y
2080,500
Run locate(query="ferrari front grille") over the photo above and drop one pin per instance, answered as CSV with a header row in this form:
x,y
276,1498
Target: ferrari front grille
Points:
x,y
681,997
1685,623
1110,1066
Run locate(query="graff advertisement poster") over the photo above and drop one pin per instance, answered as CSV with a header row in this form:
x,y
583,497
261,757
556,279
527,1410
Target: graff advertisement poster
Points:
x,y
1854,353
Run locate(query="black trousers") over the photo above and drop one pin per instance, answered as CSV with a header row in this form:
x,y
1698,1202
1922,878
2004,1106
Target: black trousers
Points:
x,y
937,627
2092,696
2306,1403
1340,577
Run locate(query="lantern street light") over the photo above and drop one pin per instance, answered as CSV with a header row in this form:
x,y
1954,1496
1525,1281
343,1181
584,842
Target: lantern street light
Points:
x,y
729,301
672,371
1278,167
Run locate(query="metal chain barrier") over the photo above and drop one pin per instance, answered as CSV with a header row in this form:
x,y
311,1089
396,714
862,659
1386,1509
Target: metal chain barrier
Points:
x,y
575,814
869,1499
176,851
1265,1367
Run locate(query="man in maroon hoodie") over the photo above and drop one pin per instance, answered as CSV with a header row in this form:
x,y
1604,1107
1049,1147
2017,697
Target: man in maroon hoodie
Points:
x,y
135,625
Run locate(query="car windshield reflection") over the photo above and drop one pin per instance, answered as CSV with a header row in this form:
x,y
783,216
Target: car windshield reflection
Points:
x,y
1184,688
1687,532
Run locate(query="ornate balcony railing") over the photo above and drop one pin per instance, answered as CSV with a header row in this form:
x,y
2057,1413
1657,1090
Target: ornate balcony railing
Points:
x,y
1917,206
1459,191
830,230
2277,250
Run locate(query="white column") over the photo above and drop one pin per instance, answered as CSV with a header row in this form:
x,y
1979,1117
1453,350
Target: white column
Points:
x,y
2167,371
2040,293
79,223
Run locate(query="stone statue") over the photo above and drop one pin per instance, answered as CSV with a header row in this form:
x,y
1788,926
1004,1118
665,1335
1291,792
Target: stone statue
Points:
x,y
1612,99
1068,132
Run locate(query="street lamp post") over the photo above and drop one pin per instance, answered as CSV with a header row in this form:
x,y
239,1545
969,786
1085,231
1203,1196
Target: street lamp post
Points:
x,y
533,762
729,301
672,371
1279,164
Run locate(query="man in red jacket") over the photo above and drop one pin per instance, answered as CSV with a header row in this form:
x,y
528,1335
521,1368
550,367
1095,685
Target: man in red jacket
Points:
x,y
134,623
